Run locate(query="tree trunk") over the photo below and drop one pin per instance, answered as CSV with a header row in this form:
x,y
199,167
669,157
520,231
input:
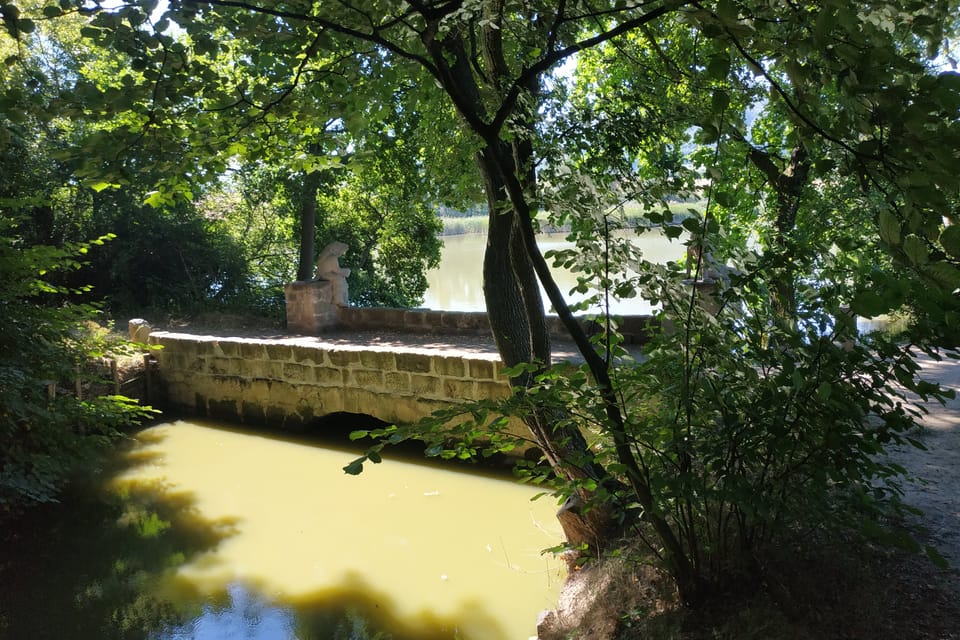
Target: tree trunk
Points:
x,y
510,282
788,184
518,322
308,221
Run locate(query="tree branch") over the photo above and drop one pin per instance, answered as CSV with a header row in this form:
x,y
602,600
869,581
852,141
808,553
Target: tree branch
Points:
x,y
531,73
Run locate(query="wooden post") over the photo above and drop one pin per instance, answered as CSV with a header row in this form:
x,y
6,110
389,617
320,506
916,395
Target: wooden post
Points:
x,y
149,362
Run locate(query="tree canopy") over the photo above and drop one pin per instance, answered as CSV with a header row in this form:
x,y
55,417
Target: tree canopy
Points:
x,y
821,139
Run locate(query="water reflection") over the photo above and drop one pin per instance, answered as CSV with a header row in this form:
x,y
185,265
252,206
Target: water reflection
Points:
x,y
95,569
210,532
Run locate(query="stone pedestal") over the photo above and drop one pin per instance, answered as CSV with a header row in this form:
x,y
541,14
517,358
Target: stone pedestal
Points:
x,y
309,306
707,295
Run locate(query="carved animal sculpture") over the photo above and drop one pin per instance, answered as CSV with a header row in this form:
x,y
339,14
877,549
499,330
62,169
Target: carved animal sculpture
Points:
x,y
329,269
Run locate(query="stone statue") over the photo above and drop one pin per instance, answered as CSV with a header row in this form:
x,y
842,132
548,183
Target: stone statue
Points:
x,y
329,269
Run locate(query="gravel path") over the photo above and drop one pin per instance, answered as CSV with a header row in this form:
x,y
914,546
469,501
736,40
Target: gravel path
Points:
x,y
936,490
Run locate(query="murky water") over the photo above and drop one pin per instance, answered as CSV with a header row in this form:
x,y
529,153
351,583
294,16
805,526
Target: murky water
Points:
x,y
209,532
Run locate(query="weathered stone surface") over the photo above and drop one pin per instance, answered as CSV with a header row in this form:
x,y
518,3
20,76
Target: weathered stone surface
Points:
x,y
296,373
422,385
460,389
310,306
380,360
223,409
491,390
413,362
451,366
252,350
226,348
366,379
328,376
139,330
397,382
252,413
343,358
417,320
279,352
482,369
288,383
222,366
306,356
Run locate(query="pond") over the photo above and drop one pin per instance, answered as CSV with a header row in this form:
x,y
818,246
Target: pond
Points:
x,y
457,284
204,531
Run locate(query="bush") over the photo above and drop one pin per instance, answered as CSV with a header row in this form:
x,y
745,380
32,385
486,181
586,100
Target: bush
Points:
x,y
733,429
46,432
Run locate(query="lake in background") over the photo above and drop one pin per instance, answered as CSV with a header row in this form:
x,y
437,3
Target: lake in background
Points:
x,y
457,284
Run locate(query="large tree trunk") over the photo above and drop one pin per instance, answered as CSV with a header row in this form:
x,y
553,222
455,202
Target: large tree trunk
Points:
x,y
788,184
510,281
518,322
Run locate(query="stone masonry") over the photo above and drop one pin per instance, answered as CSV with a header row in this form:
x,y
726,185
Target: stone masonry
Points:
x,y
288,382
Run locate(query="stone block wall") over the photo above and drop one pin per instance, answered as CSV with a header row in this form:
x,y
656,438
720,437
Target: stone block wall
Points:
x,y
309,306
634,328
288,383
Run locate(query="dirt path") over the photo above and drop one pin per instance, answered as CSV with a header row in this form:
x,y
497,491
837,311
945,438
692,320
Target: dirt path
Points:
x,y
937,489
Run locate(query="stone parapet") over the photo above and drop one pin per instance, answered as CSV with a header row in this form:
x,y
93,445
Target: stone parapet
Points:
x,y
635,329
289,382
415,320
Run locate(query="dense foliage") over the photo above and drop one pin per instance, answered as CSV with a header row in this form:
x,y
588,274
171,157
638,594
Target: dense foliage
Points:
x,y
821,138
47,430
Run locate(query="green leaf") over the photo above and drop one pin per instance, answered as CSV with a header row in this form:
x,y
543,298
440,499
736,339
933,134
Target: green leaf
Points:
x,y
916,249
717,68
889,228
100,186
355,467
869,304
950,240
673,232
156,199
936,558
946,274
724,199
823,391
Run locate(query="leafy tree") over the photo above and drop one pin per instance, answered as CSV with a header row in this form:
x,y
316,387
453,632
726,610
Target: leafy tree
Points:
x,y
46,434
685,444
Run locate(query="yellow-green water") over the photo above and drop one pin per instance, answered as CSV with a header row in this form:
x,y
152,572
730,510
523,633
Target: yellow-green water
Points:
x,y
218,533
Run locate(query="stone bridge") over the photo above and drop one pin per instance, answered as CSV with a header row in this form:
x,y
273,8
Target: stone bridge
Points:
x,y
392,364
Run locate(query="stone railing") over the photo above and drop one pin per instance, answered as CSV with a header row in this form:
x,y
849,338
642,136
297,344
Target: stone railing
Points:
x,y
302,319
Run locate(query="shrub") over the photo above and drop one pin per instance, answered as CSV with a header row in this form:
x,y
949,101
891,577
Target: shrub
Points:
x,y
46,433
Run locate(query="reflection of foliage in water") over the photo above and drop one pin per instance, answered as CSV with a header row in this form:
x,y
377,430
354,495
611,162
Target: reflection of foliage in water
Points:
x,y
249,615
105,565
355,626
96,564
